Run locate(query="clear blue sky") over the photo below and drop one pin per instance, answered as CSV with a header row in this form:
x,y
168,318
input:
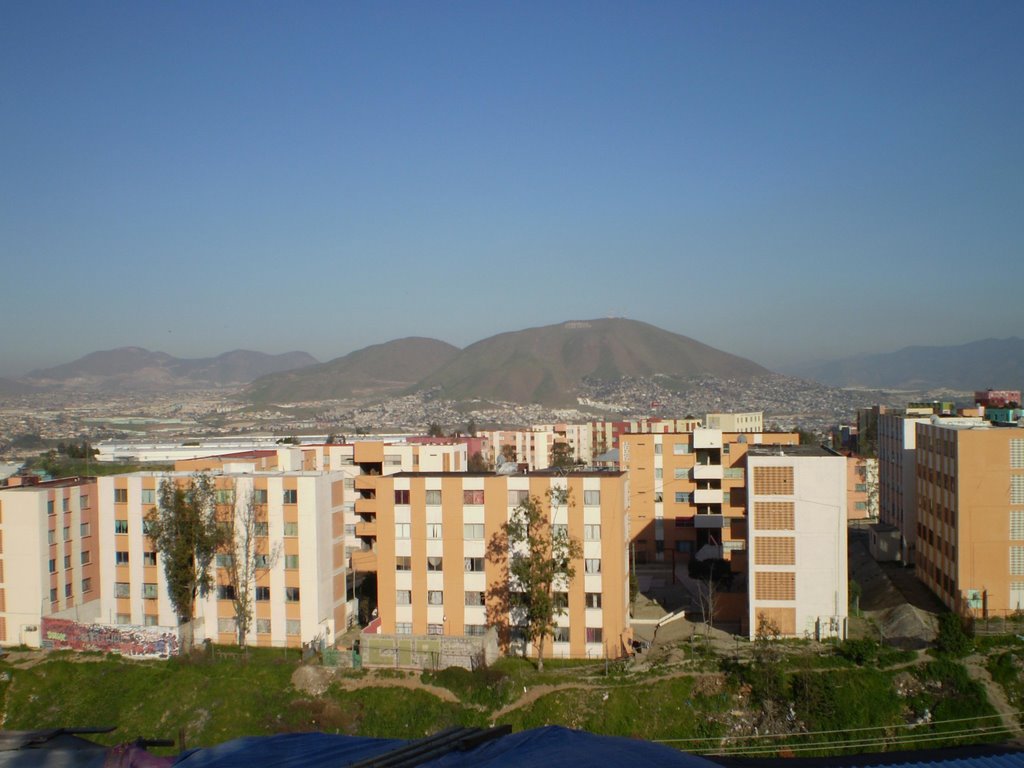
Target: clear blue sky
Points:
x,y
783,180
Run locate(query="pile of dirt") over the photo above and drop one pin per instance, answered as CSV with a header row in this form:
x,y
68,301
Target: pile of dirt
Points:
x,y
907,627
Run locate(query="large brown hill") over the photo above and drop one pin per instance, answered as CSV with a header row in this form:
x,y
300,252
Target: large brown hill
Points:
x,y
546,365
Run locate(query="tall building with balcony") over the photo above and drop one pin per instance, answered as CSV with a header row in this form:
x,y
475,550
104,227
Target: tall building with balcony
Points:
x,y
970,515
434,574
300,593
797,572
49,556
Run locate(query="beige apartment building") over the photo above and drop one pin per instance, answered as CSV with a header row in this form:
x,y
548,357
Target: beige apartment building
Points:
x,y
797,542
300,595
688,493
970,516
434,575
751,421
49,555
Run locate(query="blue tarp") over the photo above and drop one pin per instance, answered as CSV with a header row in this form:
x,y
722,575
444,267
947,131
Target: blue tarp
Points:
x,y
552,745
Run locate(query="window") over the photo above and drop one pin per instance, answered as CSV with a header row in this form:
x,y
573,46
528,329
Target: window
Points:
x,y
67,533
592,532
49,507
261,561
262,594
860,506
593,599
473,564
433,498
401,497
120,495
67,590
559,530
53,594
51,537
1017,561
403,597
53,565
401,530
224,496
259,496
121,557
433,530
435,629
120,526
291,594
224,560
591,498
1017,454
594,634
290,496
149,591
149,558
473,531
682,497
658,497
473,497
515,498
65,504
435,563
291,562
67,562
475,630
561,635
293,627
680,449
474,598
560,600
147,526
123,618
657,449
87,585
403,563
150,620
122,589
225,592
262,626
435,597
403,628
860,487
658,473
1017,525
84,530
148,496
679,474
291,529
592,565
85,557
261,529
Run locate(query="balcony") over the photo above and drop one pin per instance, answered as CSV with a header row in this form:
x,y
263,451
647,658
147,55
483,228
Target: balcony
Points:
x,y
364,561
366,506
366,482
708,472
366,528
707,496
707,438
708,521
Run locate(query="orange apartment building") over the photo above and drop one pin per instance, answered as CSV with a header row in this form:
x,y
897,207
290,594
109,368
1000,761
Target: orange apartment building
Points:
x,y
434,577
49,555
970,516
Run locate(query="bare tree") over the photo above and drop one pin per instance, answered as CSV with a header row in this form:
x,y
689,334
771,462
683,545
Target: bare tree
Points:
x,y
250,557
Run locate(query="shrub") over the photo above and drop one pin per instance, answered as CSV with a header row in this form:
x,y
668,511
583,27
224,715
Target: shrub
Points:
x,y
954,636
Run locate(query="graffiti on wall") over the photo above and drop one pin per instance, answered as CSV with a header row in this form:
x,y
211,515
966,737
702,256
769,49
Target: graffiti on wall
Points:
x,y
63,634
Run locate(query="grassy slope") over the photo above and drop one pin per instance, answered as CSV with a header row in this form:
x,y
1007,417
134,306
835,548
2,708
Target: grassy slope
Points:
x,y
219,700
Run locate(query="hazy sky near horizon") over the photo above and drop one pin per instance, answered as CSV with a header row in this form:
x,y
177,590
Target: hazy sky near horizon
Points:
x,y
784,181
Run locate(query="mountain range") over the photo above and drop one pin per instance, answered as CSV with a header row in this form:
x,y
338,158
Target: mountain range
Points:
x,y
546,365
138,369
543,365
989,363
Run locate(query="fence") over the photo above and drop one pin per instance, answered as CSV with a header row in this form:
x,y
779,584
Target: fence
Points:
x,y
61,634
428,651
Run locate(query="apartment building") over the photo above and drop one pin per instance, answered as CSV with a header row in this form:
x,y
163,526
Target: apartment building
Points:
x,y
797,562
49,555
299,596
752,421
970,515
688,493
434,576
862,487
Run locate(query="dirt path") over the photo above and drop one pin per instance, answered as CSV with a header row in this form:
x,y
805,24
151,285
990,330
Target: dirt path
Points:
x,y
976,670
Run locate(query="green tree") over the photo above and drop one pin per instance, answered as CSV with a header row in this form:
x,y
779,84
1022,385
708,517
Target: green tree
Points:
x,y
537,554
477,463
508,452
471,427
184,530
562,456
434,429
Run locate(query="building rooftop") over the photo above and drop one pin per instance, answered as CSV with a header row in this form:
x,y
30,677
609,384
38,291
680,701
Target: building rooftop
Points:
x,y
589,472
791,450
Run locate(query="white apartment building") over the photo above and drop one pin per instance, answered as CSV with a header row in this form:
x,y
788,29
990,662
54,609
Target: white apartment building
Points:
x,y
796,509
